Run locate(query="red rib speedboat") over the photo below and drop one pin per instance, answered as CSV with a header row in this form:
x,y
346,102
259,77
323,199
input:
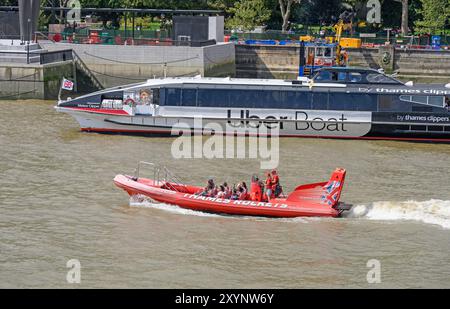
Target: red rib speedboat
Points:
x,y
311,200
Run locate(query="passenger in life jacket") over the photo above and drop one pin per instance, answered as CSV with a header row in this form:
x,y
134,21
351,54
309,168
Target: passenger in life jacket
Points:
x,y
256,190
276,187
268,185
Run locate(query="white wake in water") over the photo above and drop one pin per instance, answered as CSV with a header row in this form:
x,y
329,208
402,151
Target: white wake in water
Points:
x,y
435,212
432,212
139,201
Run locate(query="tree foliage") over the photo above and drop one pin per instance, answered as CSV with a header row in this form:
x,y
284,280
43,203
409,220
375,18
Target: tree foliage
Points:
x,y
426,15
247,14
435,15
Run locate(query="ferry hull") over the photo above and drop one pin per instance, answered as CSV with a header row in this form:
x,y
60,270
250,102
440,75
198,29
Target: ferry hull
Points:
x,y
356,128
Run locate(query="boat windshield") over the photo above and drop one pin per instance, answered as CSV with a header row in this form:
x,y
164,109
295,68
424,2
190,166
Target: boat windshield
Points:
x,y
379,78
358,77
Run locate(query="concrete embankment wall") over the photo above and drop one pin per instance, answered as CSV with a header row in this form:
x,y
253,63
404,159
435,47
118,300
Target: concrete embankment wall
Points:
x,y
253,61
115,65
421,65
33,81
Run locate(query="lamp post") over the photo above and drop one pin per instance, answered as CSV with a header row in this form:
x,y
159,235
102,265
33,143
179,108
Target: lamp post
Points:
x,y
28,41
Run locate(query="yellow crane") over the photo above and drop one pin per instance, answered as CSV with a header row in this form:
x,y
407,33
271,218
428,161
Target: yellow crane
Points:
x,y
340,27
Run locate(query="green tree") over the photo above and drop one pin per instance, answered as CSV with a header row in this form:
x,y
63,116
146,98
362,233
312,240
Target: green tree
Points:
x,y
435,14
247,14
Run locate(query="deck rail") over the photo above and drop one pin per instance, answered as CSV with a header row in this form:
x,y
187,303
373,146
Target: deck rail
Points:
x,y
161,174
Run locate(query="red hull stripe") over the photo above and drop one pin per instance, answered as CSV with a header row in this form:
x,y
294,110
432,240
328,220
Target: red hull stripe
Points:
x,y
100,111
412,139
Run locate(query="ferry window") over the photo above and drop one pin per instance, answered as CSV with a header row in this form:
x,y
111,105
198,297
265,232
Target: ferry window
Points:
x,y
342,102
436,101
342,76
173,96
353,102
365,102
297,100
237,98
406,98
418,128
319,52
320,101
435,128
274,99
216,98
247,98
323,76
327,52
156,99
355,77
420,99
189,97
378,78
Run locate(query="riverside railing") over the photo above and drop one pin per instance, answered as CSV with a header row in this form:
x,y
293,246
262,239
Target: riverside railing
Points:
x,y
38,57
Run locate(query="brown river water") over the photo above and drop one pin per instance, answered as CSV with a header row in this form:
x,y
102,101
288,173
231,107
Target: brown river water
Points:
x,y
58,202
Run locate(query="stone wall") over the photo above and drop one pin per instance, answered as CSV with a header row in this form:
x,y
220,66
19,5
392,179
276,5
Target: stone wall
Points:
x,y
116,65
428,66
266,61
34,81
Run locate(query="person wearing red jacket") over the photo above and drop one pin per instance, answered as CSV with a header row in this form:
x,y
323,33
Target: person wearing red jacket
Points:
x,y
276,187
268,186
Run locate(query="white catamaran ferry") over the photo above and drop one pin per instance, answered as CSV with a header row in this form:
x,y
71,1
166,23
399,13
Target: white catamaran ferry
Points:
x,y
337,102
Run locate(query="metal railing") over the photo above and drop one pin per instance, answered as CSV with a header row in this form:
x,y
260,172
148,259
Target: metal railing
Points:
x,y
56,56
44,57
161,175
86,70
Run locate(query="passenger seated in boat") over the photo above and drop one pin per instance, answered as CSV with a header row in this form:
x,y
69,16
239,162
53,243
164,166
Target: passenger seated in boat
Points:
x,y
221,193
234,195
243,191
228,191
210,190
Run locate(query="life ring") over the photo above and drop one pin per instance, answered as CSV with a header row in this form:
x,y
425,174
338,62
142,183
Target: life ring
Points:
x,y
320,62
130,102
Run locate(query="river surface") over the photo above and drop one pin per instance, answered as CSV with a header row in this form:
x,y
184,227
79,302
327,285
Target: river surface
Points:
x,y
58,203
